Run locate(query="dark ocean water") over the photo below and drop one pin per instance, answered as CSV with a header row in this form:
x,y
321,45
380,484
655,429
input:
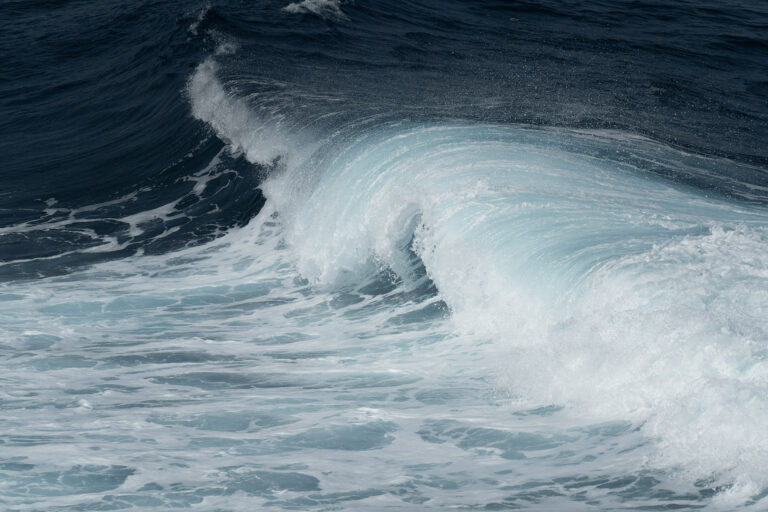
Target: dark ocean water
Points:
x,y
367,255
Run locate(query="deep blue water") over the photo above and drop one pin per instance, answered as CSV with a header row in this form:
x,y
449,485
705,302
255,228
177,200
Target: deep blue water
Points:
x,y
365,255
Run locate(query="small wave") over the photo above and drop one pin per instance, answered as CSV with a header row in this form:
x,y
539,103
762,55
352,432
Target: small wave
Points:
x,y
326,9
195,25
259,135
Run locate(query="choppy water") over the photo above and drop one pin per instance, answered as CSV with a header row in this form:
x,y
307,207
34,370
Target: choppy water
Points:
x,y
332,255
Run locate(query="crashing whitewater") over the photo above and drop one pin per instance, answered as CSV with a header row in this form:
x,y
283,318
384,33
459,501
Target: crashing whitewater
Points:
x,y
567,272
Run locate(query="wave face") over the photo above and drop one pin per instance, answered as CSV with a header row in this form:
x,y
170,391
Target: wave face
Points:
x,y
363,256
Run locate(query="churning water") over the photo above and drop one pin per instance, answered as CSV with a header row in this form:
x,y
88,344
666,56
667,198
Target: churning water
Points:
x,y
331,255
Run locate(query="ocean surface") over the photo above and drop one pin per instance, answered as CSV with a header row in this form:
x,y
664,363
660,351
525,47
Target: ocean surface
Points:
x,y
371,255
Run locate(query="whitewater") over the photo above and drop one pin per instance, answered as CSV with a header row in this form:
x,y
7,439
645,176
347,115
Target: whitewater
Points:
x,y
401,310
580,279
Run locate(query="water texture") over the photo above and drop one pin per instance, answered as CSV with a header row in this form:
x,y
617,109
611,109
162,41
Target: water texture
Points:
x,y
364,255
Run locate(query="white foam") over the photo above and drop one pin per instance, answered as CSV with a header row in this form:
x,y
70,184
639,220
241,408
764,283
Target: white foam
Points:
x,y
327,9
231,119
258,132
199,19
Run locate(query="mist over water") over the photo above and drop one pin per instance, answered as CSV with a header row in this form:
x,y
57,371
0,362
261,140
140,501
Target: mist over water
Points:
x,y
333,255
